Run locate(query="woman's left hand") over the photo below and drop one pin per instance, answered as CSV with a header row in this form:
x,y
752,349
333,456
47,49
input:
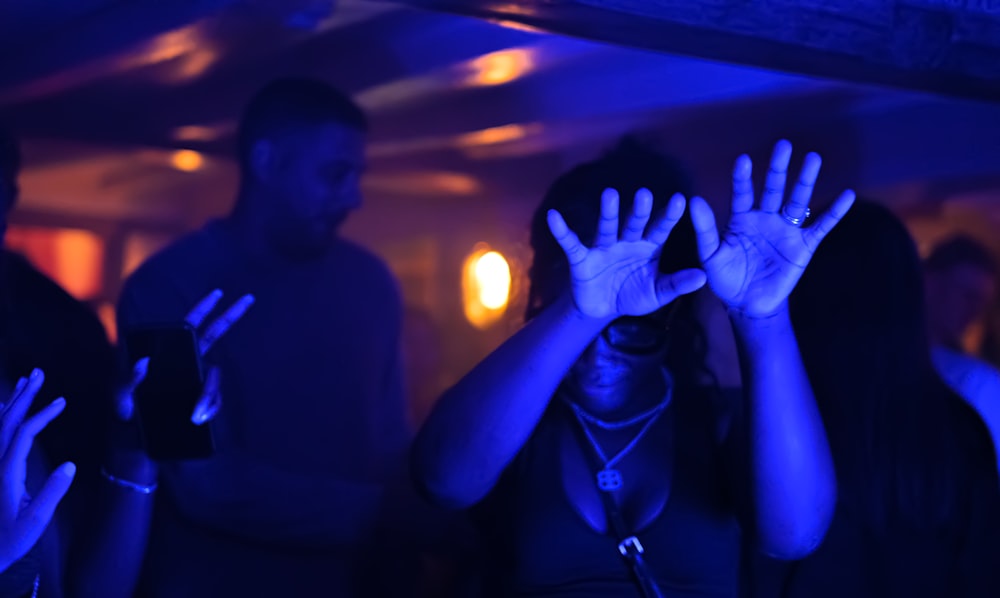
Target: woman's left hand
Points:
x,y
23,519
764,251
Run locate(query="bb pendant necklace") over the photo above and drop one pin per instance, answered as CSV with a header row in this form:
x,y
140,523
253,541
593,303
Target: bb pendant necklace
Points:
x,y
609,478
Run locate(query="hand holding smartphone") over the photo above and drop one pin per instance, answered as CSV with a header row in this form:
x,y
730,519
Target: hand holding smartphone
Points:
x,y
171,392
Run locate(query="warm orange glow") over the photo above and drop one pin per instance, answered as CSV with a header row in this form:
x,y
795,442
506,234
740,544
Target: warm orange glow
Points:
x,y
520,26
196,133
187,160
486,284
71,257
424,183
493,135
138,248
106,314
501,67
188,51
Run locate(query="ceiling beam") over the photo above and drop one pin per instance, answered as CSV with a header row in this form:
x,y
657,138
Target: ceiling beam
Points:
x,y
949,47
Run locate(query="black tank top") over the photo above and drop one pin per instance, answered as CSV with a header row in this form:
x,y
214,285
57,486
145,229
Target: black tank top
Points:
x,y
537,545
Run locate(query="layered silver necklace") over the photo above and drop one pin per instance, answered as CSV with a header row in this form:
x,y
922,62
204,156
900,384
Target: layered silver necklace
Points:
x,y
609,478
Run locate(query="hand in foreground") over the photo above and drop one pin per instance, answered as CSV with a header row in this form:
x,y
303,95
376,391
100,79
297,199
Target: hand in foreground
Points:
x,y
208,406
619,275
765,250
23,519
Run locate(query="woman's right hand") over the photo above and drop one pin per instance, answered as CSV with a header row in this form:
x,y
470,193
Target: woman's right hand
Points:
x,y
620,275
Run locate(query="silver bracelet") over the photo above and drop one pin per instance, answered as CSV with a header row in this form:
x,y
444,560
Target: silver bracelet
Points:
x,y
140,488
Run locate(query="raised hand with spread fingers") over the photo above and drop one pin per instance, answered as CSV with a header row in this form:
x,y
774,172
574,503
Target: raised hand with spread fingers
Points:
x,y
23,518
765,249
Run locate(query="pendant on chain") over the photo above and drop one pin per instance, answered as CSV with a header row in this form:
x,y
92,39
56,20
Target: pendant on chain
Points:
x,y
609,480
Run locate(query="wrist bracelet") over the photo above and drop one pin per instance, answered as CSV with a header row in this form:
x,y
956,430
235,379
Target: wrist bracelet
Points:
x,y
140,488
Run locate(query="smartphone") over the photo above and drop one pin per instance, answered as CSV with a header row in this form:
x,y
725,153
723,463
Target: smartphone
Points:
x,y
166,398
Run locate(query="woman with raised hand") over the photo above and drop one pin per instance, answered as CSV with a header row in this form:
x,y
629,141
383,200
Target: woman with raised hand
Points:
x,y
593,445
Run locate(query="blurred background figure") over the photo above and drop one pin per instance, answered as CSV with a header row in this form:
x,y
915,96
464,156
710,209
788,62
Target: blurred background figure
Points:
x,y
918,510
961,286
43,326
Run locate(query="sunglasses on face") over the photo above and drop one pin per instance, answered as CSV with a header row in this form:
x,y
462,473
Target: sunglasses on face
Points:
x,y
640,335
636,335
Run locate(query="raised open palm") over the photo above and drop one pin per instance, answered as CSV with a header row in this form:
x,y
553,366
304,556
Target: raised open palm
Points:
x,y
619,275
764,251
23,519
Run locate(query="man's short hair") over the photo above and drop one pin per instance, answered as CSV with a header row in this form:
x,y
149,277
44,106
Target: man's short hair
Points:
x,y
290,103
960,251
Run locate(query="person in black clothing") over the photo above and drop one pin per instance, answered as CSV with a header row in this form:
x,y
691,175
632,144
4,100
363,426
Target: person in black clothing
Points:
x,y
572,441
918,513
42,326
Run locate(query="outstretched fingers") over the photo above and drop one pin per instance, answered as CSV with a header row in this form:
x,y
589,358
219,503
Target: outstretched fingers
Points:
x,y
16,459
567,239
742,185
607,226
642,207
813,235
39,512
224,322
777,176
664,225
199,313
705,229
801,195
15,411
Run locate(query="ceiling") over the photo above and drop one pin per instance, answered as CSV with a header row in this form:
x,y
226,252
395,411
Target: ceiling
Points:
x,y
103,92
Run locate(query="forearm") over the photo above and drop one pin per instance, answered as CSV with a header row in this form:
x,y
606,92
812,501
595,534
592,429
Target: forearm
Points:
x,y
112,565
478,427
263,503
792,475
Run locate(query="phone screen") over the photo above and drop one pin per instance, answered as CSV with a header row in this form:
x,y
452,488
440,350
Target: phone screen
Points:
x,y
166,398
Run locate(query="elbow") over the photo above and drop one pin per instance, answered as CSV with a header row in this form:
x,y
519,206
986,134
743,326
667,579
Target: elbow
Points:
x,y
438,483
798,537
791,547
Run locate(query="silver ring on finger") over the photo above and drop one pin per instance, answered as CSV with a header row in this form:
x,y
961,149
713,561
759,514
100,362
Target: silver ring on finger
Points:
x,y
793,220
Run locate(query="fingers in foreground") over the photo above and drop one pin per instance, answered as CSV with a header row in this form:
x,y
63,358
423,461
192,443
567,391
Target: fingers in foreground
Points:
x,y
814,234
664,225
14,412
642,207
742,185
200,312
801,195
777,175
16,458
607,226
39,512
125,403
567,239
223,323
705,228
208,405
